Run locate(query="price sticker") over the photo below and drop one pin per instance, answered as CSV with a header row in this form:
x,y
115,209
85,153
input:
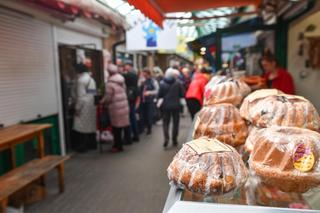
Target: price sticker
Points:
x,y
303,158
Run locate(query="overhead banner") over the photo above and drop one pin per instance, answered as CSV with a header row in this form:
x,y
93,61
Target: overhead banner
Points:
x,y
145,35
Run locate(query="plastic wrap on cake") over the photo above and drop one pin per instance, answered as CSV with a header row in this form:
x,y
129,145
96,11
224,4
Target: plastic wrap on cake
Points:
x,y
222,89
280,110
207,166
286,157
249,144
221,121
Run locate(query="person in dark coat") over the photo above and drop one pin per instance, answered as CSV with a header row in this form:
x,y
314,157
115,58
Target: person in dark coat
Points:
x,y
148,92
131,79
170,92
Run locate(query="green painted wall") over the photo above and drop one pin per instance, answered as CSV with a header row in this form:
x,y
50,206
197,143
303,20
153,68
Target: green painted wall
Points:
x,y
51,139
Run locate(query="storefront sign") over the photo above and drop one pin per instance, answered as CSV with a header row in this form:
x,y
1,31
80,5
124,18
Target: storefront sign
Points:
x,y
145,35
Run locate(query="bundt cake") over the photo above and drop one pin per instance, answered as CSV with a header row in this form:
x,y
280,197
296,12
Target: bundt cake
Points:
x,y
280,110
222,89
286,157
207,166
249,144
221,121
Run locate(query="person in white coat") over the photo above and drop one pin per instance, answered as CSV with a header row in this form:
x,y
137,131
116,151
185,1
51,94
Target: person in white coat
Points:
x,y
84,123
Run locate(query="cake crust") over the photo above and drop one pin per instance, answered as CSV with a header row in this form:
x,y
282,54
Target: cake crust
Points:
x,y
214,172
221,121
222,89
286,157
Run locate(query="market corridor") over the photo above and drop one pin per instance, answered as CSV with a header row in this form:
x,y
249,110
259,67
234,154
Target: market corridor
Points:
x,y
132,181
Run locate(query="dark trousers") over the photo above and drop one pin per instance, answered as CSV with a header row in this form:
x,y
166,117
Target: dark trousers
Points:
x,y
118,139
194,106
133,121
167,115
147,115
82,142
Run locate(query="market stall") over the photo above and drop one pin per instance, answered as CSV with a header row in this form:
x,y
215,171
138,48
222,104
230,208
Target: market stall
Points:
x,y
248,152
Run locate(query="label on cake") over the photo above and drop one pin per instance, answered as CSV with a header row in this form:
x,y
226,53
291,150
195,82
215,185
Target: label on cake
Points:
x,y
303,158
206,145
263,93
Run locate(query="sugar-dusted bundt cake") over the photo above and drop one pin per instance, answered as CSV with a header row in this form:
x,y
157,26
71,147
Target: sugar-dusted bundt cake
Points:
x,y
221,121
207,166
287,157
255,97
222,89
280,110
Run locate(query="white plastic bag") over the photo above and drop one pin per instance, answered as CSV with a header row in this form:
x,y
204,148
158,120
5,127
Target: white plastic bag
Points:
x,y
105,136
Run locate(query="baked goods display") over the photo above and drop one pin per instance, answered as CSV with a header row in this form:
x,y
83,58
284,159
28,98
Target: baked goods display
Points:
x,y
280,110
286,157
222,89
276,134
207,166
221,121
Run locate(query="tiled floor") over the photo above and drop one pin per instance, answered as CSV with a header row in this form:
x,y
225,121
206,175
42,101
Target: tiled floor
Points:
x,y
132,181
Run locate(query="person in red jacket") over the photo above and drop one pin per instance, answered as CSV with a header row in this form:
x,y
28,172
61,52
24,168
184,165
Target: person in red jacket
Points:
x,y
277,77
194,95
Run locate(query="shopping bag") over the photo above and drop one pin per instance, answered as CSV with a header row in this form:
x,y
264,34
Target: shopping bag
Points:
x,y
104,136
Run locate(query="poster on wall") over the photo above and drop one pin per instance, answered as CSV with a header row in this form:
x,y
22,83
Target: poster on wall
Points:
x,y
145,35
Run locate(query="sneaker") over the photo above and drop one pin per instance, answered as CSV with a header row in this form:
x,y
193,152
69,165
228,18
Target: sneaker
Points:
x,y
149,132
165,144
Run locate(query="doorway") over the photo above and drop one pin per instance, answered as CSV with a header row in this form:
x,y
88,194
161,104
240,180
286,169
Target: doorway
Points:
x,y
69,56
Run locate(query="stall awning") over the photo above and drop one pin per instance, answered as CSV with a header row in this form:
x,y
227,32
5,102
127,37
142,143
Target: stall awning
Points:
x,y
156,9
86,8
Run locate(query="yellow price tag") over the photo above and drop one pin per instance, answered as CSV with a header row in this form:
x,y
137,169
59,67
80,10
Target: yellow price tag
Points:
x,y
305,163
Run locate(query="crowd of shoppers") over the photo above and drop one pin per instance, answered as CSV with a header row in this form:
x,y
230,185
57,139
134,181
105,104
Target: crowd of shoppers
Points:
x,y
135,100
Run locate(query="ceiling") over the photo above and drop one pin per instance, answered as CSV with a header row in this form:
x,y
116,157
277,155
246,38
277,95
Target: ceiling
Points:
x,y
193,17
188,28
166,6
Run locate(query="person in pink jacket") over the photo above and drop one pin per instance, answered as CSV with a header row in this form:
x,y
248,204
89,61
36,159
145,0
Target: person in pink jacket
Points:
x,y
117,103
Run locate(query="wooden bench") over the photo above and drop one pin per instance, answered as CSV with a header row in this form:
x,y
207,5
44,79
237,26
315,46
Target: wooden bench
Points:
x,y
21,133
20,177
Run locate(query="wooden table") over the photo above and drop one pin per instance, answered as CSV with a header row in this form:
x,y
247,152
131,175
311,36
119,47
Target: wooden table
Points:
x,y
21,133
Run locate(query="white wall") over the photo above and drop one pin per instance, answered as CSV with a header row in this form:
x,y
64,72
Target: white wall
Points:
x,y
308,87
66,36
